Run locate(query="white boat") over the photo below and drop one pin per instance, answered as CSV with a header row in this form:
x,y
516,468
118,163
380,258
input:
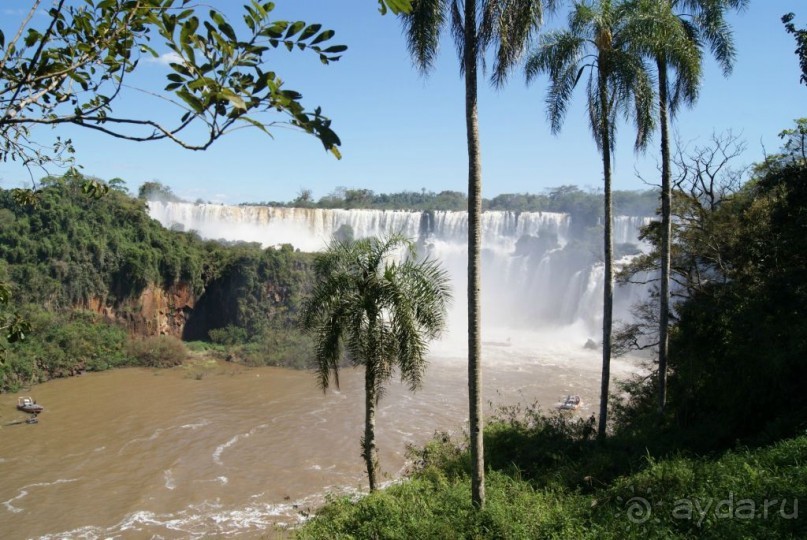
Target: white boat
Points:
x,y
29,405
570,403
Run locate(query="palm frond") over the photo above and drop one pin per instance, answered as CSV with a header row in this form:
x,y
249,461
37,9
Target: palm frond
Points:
x,y
458,32
717,33
708,17
377,299
328,350
597,116
633,85
559,55
422,27
510,25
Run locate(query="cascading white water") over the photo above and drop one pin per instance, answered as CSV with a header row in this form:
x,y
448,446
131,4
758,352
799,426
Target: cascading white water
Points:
x,y
535,271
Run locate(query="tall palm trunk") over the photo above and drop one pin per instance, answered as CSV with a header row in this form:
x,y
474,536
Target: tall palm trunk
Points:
x,y
608,285
369,452
474,259
368,441
666,234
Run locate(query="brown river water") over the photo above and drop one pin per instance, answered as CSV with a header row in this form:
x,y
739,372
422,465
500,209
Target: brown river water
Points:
x,y
217,449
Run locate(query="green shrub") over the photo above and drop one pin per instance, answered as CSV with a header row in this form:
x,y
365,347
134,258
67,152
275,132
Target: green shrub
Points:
x,y
229,335
435,502
62,344
157,351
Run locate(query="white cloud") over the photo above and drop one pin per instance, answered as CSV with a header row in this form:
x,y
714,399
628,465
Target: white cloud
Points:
x,y
167,58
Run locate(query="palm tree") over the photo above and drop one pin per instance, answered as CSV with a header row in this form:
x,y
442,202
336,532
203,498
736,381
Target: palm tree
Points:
x,y
618,82
384,309
506,25
673,33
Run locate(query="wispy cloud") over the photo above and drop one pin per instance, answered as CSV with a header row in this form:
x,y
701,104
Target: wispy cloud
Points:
x,y
14,12
166,58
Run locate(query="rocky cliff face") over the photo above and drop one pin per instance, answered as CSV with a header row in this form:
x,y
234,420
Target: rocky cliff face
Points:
x,y
157,311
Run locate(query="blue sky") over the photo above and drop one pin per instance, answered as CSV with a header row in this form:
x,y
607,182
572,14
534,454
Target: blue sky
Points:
x,y
403,131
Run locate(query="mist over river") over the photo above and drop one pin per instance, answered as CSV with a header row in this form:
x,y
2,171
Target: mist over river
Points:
x,y
223,450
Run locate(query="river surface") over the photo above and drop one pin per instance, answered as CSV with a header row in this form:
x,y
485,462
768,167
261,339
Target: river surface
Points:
x,y
217,449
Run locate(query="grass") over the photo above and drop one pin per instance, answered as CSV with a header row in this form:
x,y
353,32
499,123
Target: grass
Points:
x,y
547,491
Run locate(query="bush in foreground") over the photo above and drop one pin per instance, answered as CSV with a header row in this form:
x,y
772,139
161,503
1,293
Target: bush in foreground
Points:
x,y
741,494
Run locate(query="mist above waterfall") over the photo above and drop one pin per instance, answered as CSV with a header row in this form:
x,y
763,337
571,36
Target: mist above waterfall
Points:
x,y
538,270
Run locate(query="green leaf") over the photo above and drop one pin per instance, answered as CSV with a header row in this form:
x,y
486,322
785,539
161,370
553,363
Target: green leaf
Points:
x,y
257,124
223,26
335,49
32,37
396,6
233,98
294,28
310,31
324,36
276,30
192,101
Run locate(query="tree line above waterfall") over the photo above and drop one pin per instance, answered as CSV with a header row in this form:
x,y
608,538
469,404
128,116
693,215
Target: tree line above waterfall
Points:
x,y
567,199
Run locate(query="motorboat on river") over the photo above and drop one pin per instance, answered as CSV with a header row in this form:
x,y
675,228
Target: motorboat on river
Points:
x,y
571,403
27,404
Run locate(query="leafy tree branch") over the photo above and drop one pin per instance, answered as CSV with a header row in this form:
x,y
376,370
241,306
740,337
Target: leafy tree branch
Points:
x,y
73,68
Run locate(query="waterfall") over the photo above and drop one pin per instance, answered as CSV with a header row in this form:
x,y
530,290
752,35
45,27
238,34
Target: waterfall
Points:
x,y
535,269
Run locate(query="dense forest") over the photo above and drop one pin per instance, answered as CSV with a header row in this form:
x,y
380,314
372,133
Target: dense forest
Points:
x,y
78,268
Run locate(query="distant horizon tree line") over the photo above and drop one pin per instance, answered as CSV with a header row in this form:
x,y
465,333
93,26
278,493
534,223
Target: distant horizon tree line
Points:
x,y
567,198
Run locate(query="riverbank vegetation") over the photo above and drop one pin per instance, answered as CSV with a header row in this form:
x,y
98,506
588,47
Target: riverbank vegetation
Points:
x,y
548,478
83,273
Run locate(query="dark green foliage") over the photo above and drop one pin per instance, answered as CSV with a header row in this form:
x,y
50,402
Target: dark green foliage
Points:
x,y
800,35
150,191
71,248
688,497
738,348
255,289
60,345
552,451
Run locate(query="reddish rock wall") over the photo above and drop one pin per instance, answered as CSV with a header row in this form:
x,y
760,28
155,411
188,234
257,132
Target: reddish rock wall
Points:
x,y
156,311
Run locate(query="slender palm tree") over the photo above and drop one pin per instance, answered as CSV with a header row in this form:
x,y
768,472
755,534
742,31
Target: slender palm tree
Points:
x,y
618,82
673,34
384,309
506,26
